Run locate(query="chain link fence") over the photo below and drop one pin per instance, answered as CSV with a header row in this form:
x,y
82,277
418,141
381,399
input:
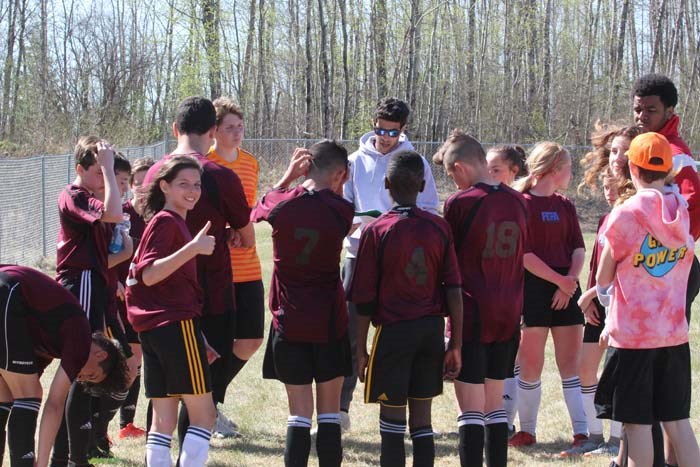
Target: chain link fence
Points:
x,y
30,188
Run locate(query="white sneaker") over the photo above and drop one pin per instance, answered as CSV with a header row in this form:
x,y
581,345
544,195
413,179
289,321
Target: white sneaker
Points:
x,y
604,449
224,428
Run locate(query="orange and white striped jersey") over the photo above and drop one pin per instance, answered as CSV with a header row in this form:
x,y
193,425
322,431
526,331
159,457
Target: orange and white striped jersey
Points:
x,y
244,261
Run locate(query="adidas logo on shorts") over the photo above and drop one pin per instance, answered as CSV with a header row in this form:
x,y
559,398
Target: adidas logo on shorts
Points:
x,y
29,455
383,397
87,426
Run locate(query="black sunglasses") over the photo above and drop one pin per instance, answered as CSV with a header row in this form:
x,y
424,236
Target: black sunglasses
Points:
x,y
384,131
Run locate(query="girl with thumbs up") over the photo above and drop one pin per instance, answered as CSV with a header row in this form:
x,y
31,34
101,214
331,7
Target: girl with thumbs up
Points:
x,y
164,303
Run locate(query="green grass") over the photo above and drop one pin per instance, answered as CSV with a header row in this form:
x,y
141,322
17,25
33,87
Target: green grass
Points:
x,y
260,408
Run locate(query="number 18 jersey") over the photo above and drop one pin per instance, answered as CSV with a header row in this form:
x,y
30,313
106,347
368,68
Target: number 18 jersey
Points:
x,y
489,224
306,294
405,260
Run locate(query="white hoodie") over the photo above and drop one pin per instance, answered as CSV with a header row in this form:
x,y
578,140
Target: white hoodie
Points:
x,y
365,187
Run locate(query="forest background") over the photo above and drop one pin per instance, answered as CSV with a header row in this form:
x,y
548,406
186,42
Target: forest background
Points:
x,y
504,70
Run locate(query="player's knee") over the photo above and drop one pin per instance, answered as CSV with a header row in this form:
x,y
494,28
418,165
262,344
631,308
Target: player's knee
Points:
x,y
245,348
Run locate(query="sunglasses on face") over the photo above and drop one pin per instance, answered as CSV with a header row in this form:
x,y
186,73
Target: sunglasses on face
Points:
x,y
384,131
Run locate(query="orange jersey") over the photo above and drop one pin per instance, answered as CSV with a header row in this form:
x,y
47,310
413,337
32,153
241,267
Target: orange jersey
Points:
x,y
244,261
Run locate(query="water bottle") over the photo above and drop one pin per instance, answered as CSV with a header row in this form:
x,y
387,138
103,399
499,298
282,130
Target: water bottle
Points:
x,y
117,243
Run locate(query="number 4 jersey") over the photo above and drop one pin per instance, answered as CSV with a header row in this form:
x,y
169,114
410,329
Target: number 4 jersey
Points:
x,y
306,294
405,260
489,224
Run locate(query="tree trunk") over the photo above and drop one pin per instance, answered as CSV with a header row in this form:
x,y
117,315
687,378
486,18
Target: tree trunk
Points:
x,y
345,114
211,10
325,76
379,24
309,70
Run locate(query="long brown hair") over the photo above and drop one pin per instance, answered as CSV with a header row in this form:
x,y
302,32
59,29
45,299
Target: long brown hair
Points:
x,y
155,198
596,160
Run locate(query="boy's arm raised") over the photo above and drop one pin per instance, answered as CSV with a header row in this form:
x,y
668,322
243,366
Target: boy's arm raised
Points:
x,y
201,244
113,203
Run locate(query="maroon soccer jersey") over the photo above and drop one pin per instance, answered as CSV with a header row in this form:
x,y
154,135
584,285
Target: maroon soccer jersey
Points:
x,y
553,229
223,202
597,249
306,294
82,238
57,324
177,297
489,224
138,225
405,260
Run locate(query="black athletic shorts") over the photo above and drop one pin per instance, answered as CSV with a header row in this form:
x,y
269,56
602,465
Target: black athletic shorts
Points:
x,y
175,360
249,320
494,360
406,362
591,332
693,287
642,386
538,312
16,348
91,291
299,363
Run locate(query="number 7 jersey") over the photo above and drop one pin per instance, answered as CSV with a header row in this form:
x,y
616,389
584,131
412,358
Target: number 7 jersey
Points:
x,y
489,224
306,294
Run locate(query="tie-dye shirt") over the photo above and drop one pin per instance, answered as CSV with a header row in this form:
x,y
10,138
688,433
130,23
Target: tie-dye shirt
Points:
x,y
649,240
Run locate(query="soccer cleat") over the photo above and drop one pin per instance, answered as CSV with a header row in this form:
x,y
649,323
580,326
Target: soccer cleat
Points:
x,y
604,449
581,449
131,431
522,439
579,440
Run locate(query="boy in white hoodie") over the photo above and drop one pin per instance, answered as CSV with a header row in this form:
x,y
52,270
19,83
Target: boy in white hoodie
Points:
x,y
642,276
365,189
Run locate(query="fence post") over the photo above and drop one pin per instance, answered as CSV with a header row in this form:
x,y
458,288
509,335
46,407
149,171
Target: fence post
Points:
x,y
43,205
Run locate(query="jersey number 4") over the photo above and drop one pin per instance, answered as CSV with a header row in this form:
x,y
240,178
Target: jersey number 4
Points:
x,y
416,268
501,240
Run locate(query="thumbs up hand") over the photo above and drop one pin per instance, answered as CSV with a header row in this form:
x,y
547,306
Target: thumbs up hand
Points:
x,y
203,243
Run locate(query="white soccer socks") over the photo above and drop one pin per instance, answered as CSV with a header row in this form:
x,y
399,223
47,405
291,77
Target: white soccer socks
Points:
x,y
158,450
195,447
574,402
529,397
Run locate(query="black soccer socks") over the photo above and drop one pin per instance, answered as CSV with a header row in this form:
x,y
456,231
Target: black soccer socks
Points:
x,y
296,452
393,452
496,439
328,443
21,428
471,438
423,446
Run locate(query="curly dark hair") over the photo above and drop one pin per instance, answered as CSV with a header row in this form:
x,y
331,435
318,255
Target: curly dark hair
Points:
x,y
656,85
114,367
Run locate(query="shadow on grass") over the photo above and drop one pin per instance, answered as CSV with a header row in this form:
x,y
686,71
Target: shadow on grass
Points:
x,y
548,451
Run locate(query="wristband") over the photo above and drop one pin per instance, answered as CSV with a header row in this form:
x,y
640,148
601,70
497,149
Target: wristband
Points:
x,y
604,294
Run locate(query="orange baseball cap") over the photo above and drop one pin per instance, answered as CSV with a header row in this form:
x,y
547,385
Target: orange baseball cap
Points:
x,y
651,151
